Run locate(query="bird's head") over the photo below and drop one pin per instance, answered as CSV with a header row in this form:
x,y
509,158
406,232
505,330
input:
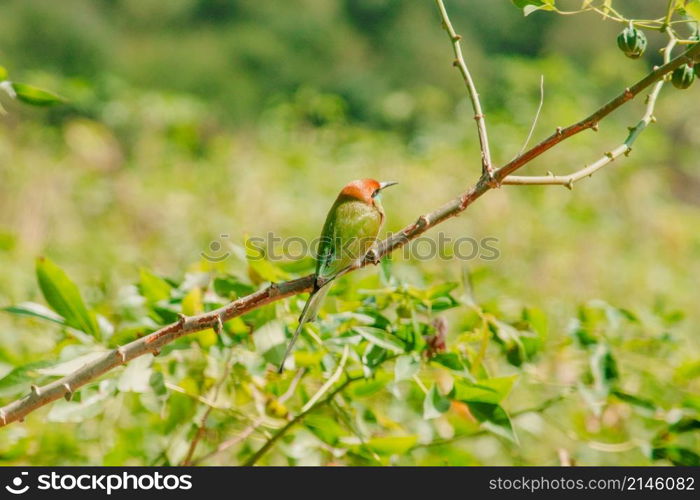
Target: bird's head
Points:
x,y
366,190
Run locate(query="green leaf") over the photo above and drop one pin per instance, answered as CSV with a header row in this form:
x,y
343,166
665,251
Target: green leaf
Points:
x,y
35,96
369,387
64,298
492,391
435,404
152,287
634,400
381,338
259,268
392,445
35,310
406,367
530,6
20,378
157,383
603,368
325,428
677,455
71,365
692,8
136,376
441,290
449,360
373,357
270,341
494,419
230,287
87,408
3,73
685,425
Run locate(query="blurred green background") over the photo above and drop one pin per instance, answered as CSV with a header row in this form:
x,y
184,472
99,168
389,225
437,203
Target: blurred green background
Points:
x,y
188,119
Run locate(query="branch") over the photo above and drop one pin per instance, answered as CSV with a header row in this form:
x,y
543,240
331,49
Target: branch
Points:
x,y
623,149
64,387
486,165
201,429
277,435
240,437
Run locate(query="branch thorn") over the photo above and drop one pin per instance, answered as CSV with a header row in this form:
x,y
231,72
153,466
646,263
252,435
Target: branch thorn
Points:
x,y
218,325
181,318
121,355
68,394
35,390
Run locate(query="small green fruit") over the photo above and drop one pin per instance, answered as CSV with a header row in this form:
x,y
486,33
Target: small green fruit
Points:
x,y
683,76
632,42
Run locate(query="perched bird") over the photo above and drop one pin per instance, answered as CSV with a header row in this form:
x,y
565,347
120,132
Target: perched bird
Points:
x,y
350,231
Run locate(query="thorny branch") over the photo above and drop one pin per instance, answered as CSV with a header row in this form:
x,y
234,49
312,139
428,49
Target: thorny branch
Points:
x,y
486,165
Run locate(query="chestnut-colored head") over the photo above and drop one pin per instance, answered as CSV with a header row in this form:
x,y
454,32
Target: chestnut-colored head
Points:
x,y
364,190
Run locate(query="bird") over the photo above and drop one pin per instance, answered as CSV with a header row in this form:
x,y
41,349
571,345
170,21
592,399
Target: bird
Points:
x,y
348,235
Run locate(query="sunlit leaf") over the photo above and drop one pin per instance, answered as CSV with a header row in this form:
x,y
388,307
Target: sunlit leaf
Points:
x,y
35,310
692,8
491,391
381,338
406,367
34,95
20,378
435,404
152,287
327,429
494,419
63,296
392,445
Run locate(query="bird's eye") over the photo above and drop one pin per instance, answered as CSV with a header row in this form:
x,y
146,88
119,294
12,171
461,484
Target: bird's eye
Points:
x,y
375,193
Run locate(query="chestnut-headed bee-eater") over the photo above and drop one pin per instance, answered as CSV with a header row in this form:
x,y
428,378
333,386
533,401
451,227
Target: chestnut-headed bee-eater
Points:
x,y
349,233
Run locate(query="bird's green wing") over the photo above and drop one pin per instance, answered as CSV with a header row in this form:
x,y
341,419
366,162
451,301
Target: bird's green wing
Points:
x,y
349,232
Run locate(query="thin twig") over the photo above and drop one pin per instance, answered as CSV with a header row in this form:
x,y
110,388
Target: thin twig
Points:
x,y
201,429
537,117
329,383
281,432
238,438
486,164
152,343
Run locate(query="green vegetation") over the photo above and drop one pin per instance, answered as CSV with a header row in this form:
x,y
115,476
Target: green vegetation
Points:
x,y
182,121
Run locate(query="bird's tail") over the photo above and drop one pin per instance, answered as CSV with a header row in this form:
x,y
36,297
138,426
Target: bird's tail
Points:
x,y
307,314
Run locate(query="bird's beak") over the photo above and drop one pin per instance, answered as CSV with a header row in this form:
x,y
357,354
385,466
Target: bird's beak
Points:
x,y
383,185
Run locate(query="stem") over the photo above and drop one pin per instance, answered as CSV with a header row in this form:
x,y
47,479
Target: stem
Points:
x,y
275,437
486,165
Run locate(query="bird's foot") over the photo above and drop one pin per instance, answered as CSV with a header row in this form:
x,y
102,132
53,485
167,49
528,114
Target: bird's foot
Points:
x,y
373,256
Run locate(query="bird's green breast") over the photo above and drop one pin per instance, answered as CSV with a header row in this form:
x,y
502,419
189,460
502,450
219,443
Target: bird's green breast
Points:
x,y
350,230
